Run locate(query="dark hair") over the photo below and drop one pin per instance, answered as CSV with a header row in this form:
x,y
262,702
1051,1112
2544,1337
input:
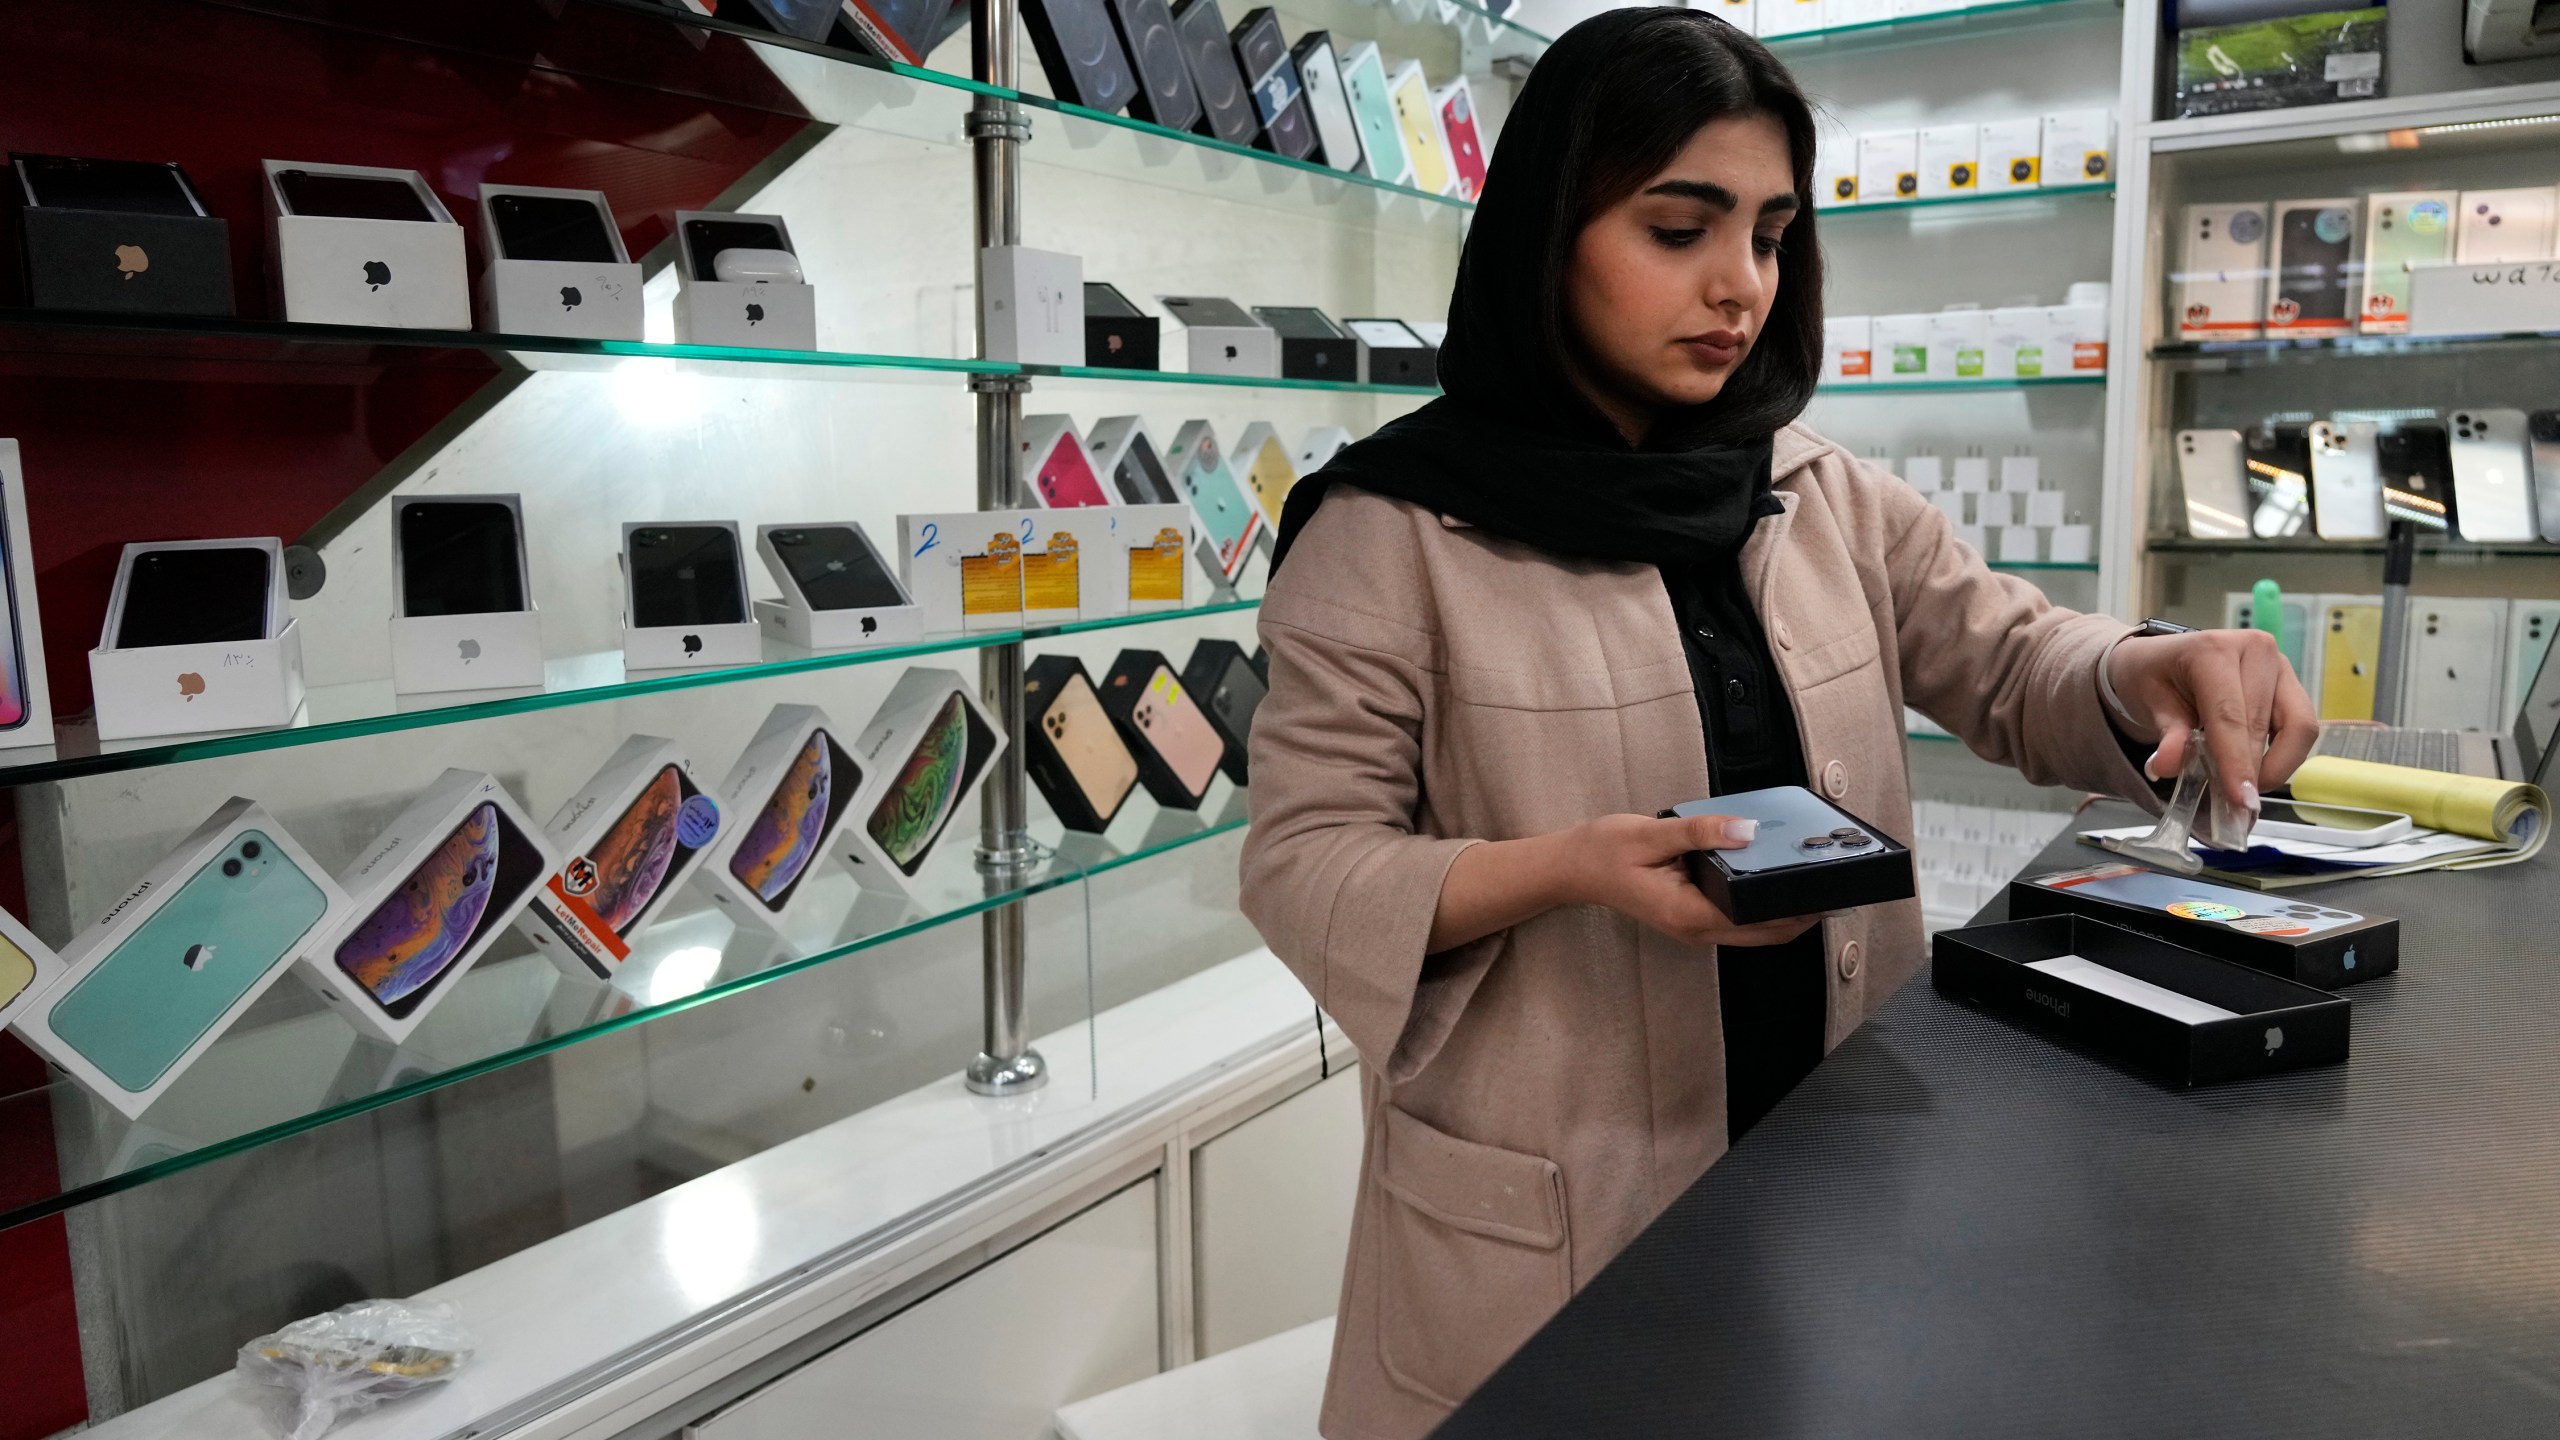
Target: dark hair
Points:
x,y
1608,106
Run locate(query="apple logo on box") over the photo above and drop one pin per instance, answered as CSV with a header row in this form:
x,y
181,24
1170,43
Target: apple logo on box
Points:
x,y
196,956
570,299
755,314
190,685
870,625
692,645
376,274
132,260
469,650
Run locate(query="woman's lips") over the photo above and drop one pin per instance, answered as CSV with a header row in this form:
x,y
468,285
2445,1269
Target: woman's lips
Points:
x,y
1714,349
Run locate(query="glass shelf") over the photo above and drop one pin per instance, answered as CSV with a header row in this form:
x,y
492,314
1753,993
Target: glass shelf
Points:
x,y
2284,349
2089,567
1240,382
1953,24
2426,548
1927,387
1829,213
290,1065
371,707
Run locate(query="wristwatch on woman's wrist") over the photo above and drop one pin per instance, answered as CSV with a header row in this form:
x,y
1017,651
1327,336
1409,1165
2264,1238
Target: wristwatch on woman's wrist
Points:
x,y
2106,683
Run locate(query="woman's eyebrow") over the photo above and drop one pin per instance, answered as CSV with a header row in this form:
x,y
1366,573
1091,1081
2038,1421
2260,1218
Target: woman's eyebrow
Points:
x,y
1707,192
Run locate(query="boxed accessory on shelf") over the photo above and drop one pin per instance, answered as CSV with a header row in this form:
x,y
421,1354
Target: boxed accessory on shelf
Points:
x,y
1117,334
147,989
1223,339
197,637
1391,354
1055,569
1950,159
1051,465
1178,750
26,695
462,611
836,589
1220,677
1230,524
2273,931
2079,147
787,798
1901,344
2186,1018
2403,231
684,595
1888,165
1956,341
1074,752
2219,289
1279,97
2013,153
928,748
1312,346
1035,302
1132,558
964,568
1262,462
1809,855
1080,54
1848,350
2018,343
425,901
125,236
739,282
28,966
629,838
1457,104
1419,121
363,245
1120,450
556,265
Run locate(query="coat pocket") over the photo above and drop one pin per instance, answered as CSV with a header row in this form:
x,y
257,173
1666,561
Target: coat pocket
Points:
x,y
1475,1255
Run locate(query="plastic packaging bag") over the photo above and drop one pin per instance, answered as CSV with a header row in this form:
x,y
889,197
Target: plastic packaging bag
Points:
x,y
325,1368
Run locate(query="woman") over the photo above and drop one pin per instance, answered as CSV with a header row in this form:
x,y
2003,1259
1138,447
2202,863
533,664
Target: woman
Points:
x,y
1605,574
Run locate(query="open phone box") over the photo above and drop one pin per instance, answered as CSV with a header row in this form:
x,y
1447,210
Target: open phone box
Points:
x,y
121,236
768,314
401,265
798,618
527,287
1809,856
180,689
481,650
1222,338
627,841
2276,931
664,647
928,748
789,799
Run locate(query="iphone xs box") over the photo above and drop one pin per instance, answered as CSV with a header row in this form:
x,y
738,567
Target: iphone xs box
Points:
x,y
788,797
627,841
929,747
1809,856
2275,931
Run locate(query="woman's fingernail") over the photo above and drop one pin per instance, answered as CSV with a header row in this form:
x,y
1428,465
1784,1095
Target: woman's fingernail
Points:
x,y
2151,767
2249,794
1741,832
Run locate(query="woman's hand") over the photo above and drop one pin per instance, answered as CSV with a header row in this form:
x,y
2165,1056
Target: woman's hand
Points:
x,y
1632,864
2233,685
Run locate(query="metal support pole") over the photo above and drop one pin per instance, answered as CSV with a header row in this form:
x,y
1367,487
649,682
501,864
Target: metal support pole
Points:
x,y
997,129
2399,548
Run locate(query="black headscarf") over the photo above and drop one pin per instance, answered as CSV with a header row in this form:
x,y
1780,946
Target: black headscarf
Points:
x,y
1513,446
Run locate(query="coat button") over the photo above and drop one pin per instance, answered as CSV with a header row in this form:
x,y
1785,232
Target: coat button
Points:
x,y
1835,780
1786,637
1850,956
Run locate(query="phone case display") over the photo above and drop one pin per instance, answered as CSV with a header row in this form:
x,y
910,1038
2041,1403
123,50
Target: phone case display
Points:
x,y
929,748
1075,754
1312,346
1262,462
1419,121
2220,288
1223,339
1165,94
1888,165
1456,102
1230,524
2298,633
124,236
1221,679
2012,154
1080,53
1278,95
739,282
2079,147
1848,349
462,612
197,638
2498,227
1033,305
837,591
1117,334
181,956
684,595
2404,230
2350,655
1382,148
1328,105
1178,750
2346,480
556,265
2318,267
1392,354
628,839
363,245
26,698
1054,471
2493,476
2455,672
28,966
1318,447
1950,160
1226,105
788,797
425,901
2213,471
964,568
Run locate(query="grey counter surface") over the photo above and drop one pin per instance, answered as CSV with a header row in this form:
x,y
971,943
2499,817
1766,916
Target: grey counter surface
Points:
x,y
1958,1228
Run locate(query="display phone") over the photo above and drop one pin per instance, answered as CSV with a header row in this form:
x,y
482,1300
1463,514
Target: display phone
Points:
x,y
1226,107
1210,486
1165,95
1169,722
1222,678
2493,475
1457,106
2499,226
459,557
651,843
2213,471
2315,265
2279,461
1079,53
791,827
2530,626
2456,663
1419,122
2417,476
470,884
2402,229
1084,753
834,568
352,197
1337,133
218,594
2346,480
2349,654
552,227
928,784
2221,284
705,239
131,187
685,575
145,1003
1065,479
1382,147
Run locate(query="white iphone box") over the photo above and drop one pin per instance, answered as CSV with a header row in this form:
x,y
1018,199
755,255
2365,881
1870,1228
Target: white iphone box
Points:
x,y
1901,345
26,699
1950,160
2012,153
1888,165
2079,147
788,800
1848,350
1318,446
1034,303
684,596
462,611
363,245
964,568
2078,334
1956,340
2455,675
2219,289
2404,231
739,282
1051,466
929,745
2504,226
627,840
197,638
838,590
556,265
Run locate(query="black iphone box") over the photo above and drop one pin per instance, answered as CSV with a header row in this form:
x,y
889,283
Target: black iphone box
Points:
x,y
1117,334
1809,856
123,236
1391,354
1076,756
1312,345
2162,1009
1222,678
2274,931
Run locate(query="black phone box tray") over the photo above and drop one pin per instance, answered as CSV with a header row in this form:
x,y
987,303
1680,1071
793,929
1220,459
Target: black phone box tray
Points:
x,y
2277,1024
2329,959
1837,882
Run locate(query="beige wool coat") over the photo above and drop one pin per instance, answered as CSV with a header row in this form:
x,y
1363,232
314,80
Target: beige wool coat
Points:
x,y
1535,1098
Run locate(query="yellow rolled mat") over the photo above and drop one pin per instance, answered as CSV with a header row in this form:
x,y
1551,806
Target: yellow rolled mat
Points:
x,y
2507,811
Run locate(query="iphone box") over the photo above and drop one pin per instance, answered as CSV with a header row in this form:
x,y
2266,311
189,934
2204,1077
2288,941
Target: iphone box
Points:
x,y
2079,147
1072,751
928,748
1034,305
831,611
179,689
1848,350
788,797
1901,346
171,965
2219,290
2274,931
1135,559
1318,446
1956,340
1788,17
1264,467
347,270
425,901
1222,338
1888,165
2012,153
2403,231
491,650
627,840
540,292
2017,343
28,967
666,647
1229,523
1950,159
964,568
1051,466
769,313
29,721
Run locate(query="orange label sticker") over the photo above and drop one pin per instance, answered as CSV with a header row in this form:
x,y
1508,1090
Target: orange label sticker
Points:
x,y
1155,571
1049,579
991,584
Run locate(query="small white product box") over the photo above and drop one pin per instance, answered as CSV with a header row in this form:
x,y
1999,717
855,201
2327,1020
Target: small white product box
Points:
x,y
351,269
1835,162
147,688
29,721
1848,350
2018,545
1140,564
1994,507
2079,147
1054,569
2078,332
1949,503
1925,472
150,987
2071,545
1736,13
1318,447
1950,159
769,305
929,746
837,589
478,650
2017,343
594,298
1789,17
425,901
1956,340
964,568
1888,165
788,799
2012,153
2044,507
703,568
1901,345
1971,475
627,840
28,967
1223,338
1034,305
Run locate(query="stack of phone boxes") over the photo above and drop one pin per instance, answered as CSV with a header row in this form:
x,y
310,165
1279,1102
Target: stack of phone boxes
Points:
x,y
2349,264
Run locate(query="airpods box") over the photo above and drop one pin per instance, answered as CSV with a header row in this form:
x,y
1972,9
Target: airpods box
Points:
x,y
1223,339
788,796
1888,165
2017,343
928,748
1950,159
1034,303
182,956
32,724
2012,153
795,620
495,650
2079,147
964,569
342,270
664,647
626,841
1901,344
1848,350
578,299
425,901
767,314
28,967
213,685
